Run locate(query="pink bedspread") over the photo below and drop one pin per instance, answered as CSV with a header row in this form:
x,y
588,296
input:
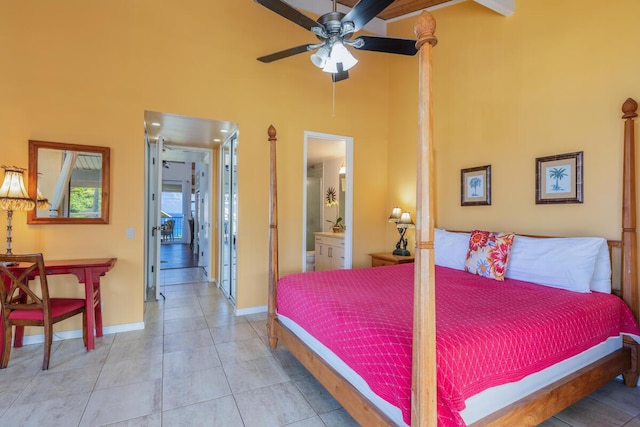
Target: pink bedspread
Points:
x,y
488,332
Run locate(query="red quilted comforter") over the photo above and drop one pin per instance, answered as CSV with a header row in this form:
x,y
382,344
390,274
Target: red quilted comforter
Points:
x,y
488,332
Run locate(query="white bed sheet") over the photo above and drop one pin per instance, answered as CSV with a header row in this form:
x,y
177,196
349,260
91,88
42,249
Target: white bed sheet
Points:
x,y
477,406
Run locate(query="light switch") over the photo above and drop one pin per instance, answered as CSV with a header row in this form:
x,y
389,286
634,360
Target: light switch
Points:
x,y
130,233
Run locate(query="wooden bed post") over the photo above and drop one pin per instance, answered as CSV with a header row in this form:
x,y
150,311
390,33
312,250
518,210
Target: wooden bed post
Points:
x,y
629,234
273,240
629,285
423,387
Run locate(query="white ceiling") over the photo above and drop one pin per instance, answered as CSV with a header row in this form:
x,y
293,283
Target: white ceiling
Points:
x,y
325,150
184,131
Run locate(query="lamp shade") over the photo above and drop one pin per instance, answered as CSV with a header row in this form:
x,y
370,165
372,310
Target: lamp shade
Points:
x,y
405,221
395,214
42,202
319,58
13,194
339,55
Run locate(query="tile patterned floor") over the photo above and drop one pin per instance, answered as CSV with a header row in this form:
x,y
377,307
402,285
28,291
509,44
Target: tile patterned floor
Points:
x,y
197,364
177,255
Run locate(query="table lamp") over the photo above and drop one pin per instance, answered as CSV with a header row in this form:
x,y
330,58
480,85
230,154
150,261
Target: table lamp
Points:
x,y
403,222
42,202
13,197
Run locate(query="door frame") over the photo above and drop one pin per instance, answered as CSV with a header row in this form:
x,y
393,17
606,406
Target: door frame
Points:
x,y
348,209
152,231
232,141
153,171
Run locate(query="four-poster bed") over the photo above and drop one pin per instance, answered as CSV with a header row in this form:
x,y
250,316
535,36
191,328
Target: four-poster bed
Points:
x,y
531,409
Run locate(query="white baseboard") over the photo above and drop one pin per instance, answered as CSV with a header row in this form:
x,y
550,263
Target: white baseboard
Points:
x,y
77,333
251,310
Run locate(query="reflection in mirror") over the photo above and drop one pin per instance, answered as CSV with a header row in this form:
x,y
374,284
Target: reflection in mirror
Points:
x,y
327,164
70,182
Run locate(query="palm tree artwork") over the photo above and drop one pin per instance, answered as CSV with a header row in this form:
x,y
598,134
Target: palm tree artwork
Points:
x,y
474,183
557,174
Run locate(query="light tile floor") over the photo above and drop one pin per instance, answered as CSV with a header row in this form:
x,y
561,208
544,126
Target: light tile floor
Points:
x,y
197,364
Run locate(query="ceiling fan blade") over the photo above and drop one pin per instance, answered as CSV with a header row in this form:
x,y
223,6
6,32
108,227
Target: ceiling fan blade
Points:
x,y
283,9
365,11
285,53
388,45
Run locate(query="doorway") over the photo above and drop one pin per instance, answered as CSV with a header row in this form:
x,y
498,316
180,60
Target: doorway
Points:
x,y
175,142
228,217
172,223
328,165
177,215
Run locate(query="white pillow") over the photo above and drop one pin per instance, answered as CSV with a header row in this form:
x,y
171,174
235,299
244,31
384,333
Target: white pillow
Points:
x,y
601,279
560,262
450,249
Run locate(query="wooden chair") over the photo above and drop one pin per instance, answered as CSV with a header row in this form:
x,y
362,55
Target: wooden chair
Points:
x,y
22,307
167,230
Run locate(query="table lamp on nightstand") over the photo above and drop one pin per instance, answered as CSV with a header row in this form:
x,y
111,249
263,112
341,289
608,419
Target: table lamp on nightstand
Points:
x,y
13,197
403,222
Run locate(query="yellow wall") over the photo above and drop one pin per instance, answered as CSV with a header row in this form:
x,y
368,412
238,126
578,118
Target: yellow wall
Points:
x,y
549,79
85,72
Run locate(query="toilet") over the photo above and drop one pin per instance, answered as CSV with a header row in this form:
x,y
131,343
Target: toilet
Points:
x,y
311,260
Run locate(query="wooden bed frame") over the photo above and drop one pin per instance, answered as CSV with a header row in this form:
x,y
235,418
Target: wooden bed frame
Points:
x,y
528,411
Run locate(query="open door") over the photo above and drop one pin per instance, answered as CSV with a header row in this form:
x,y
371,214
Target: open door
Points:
x,y
228,217
153,178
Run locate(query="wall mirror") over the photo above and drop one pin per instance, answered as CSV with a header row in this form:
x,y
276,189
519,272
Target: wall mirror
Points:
x,y
70,183
327,167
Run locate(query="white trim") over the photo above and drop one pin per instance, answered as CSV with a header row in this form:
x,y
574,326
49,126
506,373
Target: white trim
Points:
x,y
430,9
77,333
251,310
348,209
503,7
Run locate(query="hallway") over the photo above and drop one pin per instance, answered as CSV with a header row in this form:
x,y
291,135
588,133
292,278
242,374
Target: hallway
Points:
x,y
177,255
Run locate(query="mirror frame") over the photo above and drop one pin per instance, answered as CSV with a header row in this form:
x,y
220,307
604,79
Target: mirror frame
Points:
x,y
34,146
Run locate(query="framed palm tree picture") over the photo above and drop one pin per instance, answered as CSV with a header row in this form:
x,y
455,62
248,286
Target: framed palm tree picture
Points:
x,y
559,178
475,186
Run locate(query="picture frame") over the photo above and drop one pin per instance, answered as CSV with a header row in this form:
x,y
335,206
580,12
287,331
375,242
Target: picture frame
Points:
x,y
559,178
475,186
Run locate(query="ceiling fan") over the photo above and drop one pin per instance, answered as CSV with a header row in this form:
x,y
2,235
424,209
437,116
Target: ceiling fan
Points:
x,y
334,30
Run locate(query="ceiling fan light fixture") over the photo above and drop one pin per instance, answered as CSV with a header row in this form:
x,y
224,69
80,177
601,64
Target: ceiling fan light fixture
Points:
x,y
330,67
347,29
339,54
319,58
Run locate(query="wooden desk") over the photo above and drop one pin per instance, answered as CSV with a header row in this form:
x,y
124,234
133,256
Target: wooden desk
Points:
x,y
387,258
88,272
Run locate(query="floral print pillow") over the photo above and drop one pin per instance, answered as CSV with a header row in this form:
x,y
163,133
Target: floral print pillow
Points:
x,y
488,254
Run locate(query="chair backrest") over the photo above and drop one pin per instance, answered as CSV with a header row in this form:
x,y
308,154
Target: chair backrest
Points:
x,y
168,226
15,273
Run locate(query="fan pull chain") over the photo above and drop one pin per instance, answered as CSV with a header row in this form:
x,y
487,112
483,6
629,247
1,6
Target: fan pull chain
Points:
x,y
333,99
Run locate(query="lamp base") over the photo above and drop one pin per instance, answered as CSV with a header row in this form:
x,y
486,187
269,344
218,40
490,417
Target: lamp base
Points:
x,y
402,252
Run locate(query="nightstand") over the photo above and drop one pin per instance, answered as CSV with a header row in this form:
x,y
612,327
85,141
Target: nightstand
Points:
x,y
387,258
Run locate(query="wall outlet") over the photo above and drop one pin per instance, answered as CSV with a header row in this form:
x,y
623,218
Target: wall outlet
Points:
x,y
130,233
